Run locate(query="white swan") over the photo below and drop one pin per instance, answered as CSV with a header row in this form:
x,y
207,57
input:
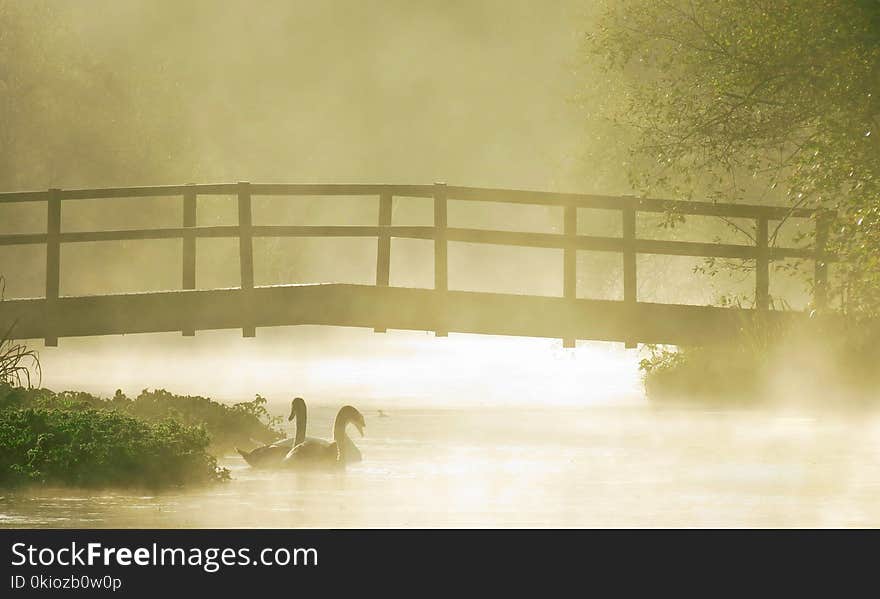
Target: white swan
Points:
x,y
271,455
318,452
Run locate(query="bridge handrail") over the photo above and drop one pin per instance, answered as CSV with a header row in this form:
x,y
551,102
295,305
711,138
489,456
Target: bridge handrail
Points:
x,y
440,233
472,194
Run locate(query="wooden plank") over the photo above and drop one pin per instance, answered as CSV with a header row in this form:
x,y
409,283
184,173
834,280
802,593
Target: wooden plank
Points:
x,y
762,266
149,234
53,265
569,267
340,189
441,282
602,202
383,250
515,196
246,256
315,231
630,286
820,268
23,239
144,192
11,197
400,308
189,247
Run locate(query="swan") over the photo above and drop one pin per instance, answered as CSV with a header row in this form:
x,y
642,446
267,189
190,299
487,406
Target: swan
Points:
x,y
272,454
319,452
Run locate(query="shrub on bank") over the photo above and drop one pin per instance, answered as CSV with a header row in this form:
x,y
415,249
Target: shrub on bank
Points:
x,y
241,424
835,361
95,448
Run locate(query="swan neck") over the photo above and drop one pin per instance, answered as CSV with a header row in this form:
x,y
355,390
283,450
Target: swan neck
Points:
x,y
301,421
340,435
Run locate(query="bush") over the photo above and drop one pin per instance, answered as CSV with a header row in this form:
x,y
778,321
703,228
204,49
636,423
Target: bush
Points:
x,y
241,424
90,448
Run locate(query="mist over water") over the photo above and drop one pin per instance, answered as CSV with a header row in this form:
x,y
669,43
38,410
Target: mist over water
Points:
x,y
483,431
526,466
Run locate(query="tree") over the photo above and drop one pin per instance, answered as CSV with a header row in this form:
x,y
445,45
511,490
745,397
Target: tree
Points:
x,y
756,99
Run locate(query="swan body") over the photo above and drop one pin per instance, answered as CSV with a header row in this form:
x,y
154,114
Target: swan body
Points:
x,y
339,451
269,456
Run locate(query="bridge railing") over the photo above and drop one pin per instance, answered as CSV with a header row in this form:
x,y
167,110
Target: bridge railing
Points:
x,y
628,244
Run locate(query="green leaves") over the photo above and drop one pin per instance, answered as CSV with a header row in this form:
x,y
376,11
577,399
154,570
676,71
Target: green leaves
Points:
x,y
92,448
758,101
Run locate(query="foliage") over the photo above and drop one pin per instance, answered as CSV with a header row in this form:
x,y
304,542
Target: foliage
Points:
x,y
839,354
17,361
89,448
226,426
760,100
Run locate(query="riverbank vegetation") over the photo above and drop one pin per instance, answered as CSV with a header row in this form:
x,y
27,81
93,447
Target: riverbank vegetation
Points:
x,y
761,103
832,365
154,440
101,448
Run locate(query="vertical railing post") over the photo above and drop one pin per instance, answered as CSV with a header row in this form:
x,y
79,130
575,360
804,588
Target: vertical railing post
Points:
x,y
820,271
762,265
383,251
630,289
189,246
246,257
569,269
441,283
53,265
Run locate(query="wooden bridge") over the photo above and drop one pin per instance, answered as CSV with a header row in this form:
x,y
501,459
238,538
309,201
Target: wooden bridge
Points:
x,y
381,306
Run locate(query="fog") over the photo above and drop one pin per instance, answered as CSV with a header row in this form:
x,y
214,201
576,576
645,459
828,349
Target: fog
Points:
x,y
486,93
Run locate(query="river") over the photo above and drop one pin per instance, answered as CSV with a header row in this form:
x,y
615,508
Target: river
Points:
x,y
601,466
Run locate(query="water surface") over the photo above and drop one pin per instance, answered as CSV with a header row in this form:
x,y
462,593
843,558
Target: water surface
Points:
x,y
601,466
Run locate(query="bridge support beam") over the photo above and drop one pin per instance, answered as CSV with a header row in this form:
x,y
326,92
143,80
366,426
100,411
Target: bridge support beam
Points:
x,y
189,245
820,272
630,287
569,269
762,266
441,282
383,250
53,266
246,257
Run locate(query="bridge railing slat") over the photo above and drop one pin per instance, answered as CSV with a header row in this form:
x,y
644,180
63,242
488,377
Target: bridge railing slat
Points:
x,y
630,249
821,259
569,258
53,263
440,233
246,255
383,249
188,274
762,266
441,283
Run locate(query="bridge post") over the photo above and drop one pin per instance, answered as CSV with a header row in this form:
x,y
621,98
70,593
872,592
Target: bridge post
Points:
x,y
53,264
441,283
630,289
820,272
189,246
246,257
383,251
569,270
762,266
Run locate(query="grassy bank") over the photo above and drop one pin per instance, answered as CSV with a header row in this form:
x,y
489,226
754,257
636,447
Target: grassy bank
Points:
x,y
227,426
154,440
98,448
833,364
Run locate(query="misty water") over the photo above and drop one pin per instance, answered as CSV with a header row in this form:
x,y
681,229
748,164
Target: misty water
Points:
x,y
632,465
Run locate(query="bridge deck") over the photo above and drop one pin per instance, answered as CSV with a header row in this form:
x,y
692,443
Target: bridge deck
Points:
x,y
377,307
382,307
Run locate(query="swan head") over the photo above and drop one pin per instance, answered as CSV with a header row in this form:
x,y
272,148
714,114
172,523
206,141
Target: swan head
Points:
x,y
350,414
296,406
